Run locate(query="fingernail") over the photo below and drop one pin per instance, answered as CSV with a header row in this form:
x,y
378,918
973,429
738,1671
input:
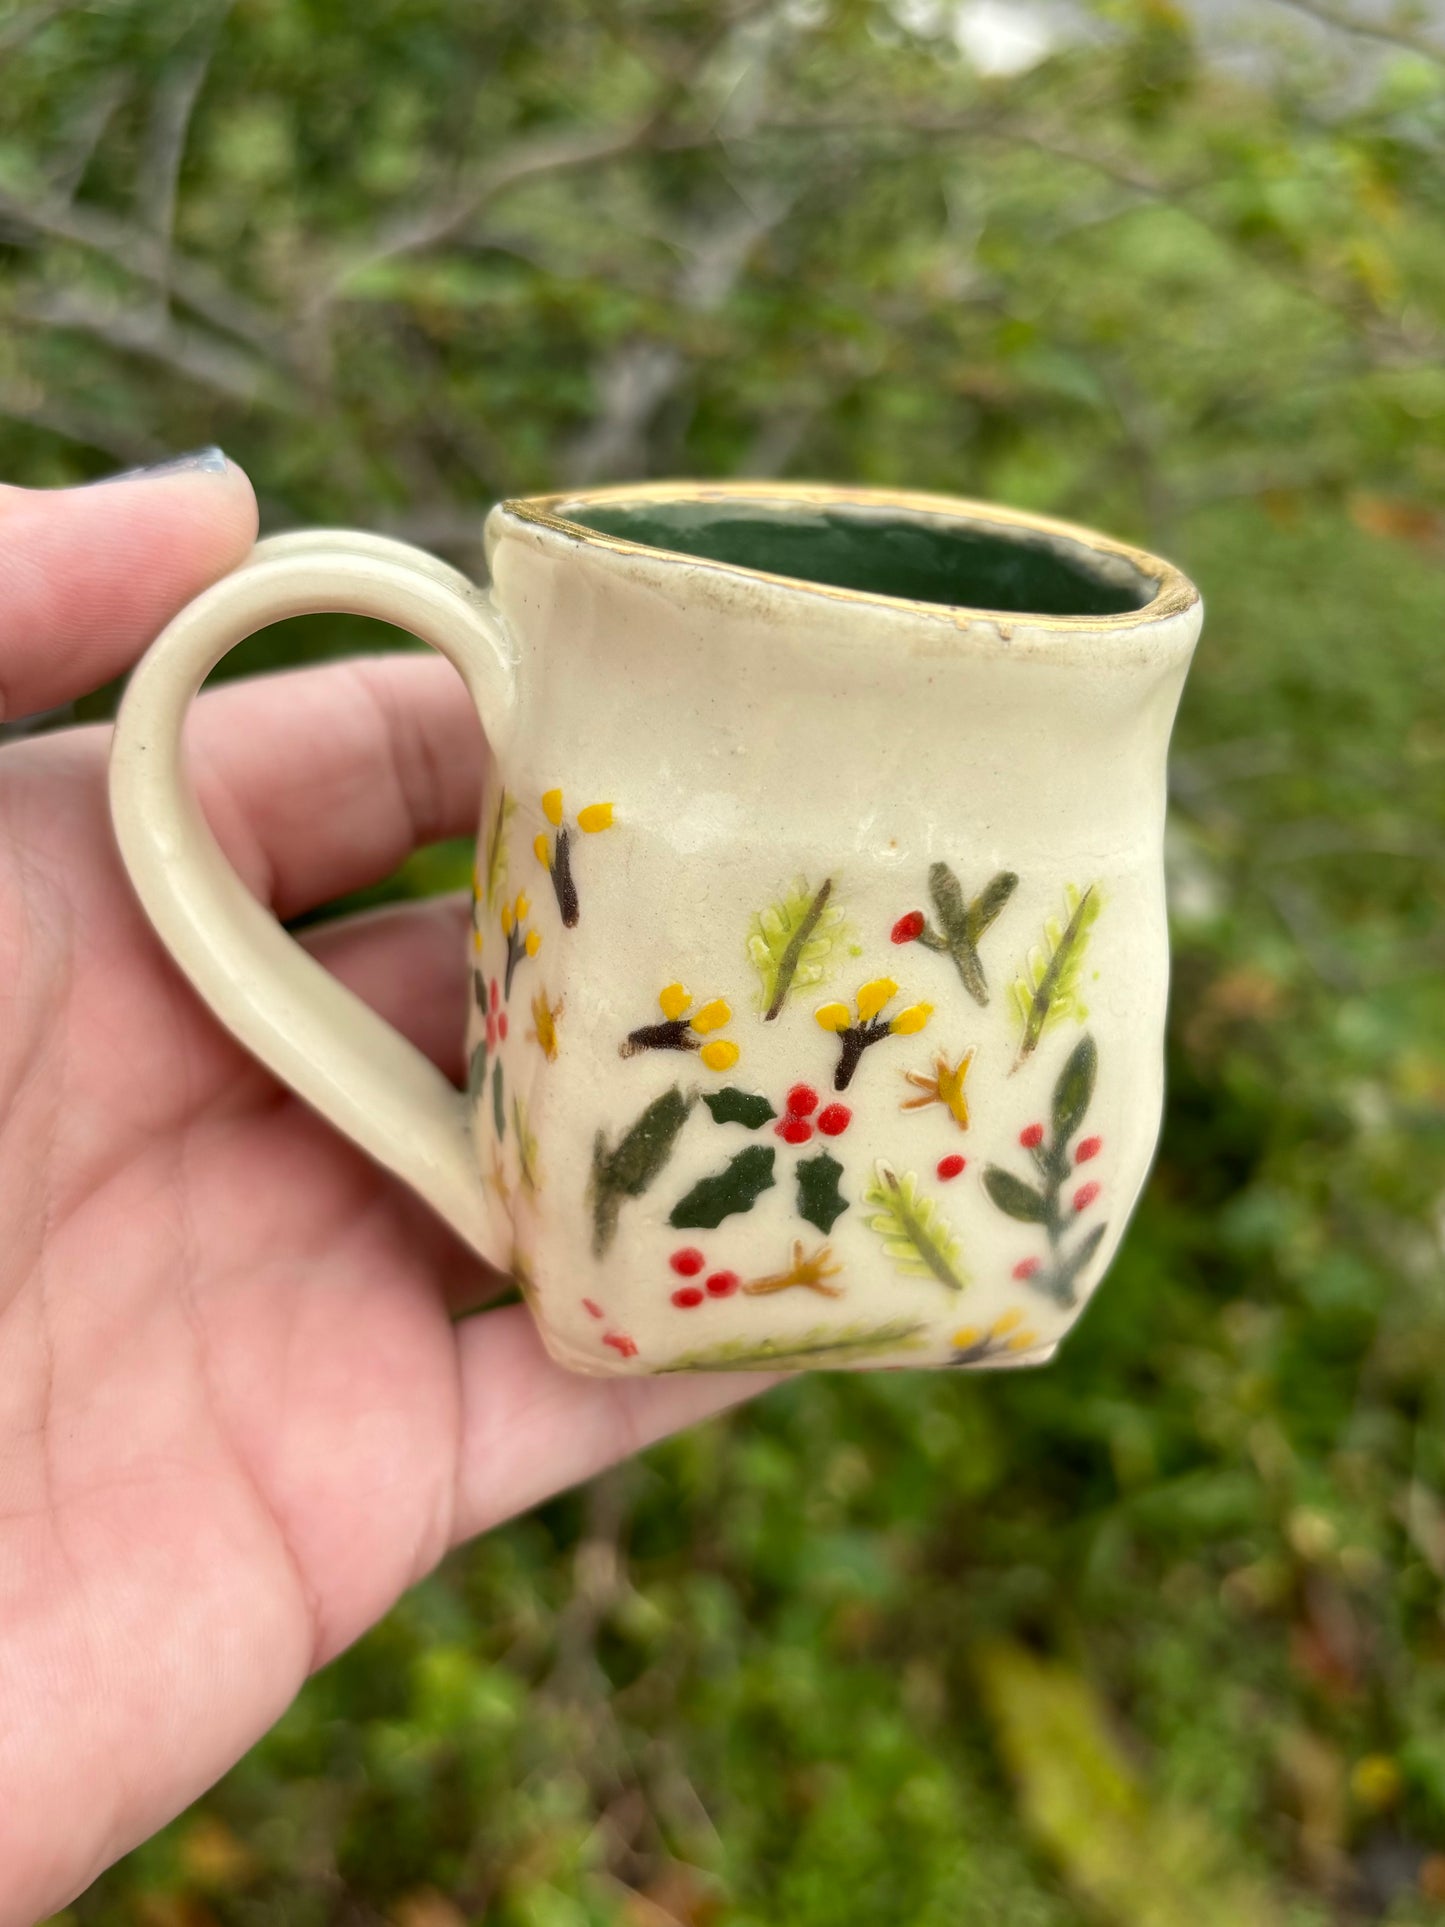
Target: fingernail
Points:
x,y
202,461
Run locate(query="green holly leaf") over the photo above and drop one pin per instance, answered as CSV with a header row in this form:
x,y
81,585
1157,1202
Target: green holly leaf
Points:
x,y
737,1187
820,1201
732,1106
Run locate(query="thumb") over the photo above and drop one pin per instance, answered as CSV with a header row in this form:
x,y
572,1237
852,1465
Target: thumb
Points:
x,y
88,576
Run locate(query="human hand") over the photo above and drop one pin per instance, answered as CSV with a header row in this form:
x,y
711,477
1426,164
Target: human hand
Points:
x,y
236,1416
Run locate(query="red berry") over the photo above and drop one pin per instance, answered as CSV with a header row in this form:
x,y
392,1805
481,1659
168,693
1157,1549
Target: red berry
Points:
x,y
834,1119
802,1100
686,1296
794,1130
620,1342
1026,1267
950,1167
1031,1136
496,994
591,1305
1090,1148
722,1284
502,1027
908,927
688,1262
1085,1196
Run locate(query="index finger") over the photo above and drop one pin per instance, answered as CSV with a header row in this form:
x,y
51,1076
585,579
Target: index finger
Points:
x,y
89,576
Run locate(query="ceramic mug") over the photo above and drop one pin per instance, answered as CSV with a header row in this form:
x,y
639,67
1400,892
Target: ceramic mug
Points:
x,y
818,952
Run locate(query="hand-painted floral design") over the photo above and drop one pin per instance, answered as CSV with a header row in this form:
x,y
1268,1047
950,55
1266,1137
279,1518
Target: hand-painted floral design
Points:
x,y
489,878
684,1028
820,1199
915,1233
689,1263
1055,1203
545,1018
822,1348
527,1166
477,1062
974,1345
945,1087
521,942
961,923
737,1187
554,852
629,1168
951,1167
802,1117
1046,991
857,1033
792,942
806,1271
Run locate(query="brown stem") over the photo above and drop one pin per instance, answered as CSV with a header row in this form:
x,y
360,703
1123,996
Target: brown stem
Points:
x,y
676,1034
792,956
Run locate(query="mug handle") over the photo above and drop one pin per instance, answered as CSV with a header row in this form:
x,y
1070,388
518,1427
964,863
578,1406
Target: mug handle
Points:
x,y
291,1013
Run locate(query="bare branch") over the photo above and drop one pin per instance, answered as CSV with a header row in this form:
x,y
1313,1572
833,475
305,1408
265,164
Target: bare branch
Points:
x,y
86,130
165,146
1388,34
20,402
27,23
155,336
125,247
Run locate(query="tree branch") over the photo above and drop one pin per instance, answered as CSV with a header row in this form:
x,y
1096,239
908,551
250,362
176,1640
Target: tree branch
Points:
x,y
1389,35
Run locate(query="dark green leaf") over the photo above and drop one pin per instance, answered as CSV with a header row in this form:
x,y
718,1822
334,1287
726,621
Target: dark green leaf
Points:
x,y
1013,1196
737,1187
732,1106
477,1070
627,1170
1074,1090
820,1201
989,901
947,893
498,1113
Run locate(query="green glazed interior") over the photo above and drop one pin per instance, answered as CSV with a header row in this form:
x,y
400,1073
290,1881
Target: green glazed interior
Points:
x,y
924,558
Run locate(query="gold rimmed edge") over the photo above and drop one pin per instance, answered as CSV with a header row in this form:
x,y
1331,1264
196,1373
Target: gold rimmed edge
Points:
x,y
1174,595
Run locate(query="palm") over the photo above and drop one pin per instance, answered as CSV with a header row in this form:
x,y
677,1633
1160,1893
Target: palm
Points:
x,y
236,1418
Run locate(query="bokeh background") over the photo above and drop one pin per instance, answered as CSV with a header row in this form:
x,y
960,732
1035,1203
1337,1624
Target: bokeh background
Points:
x,y
1155,1637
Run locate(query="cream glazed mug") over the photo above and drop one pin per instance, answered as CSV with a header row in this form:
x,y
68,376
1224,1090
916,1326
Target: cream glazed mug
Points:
x,y
818,951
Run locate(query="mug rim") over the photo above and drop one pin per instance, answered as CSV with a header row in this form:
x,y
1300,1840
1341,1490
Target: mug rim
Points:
x,y
1174,594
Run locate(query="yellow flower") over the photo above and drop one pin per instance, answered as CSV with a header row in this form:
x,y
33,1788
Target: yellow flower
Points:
x,y
552,807
540,849
834,1016
507,919
682,1030
1007,1333
674,1000
544,1021
522,907
873,996
910,1020
944,1087
534,942
596,816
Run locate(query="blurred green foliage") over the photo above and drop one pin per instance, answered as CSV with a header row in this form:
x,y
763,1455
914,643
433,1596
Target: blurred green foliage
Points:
x,y
1157,1635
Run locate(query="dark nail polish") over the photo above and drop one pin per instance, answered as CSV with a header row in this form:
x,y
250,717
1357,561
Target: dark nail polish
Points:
x,y
206,461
